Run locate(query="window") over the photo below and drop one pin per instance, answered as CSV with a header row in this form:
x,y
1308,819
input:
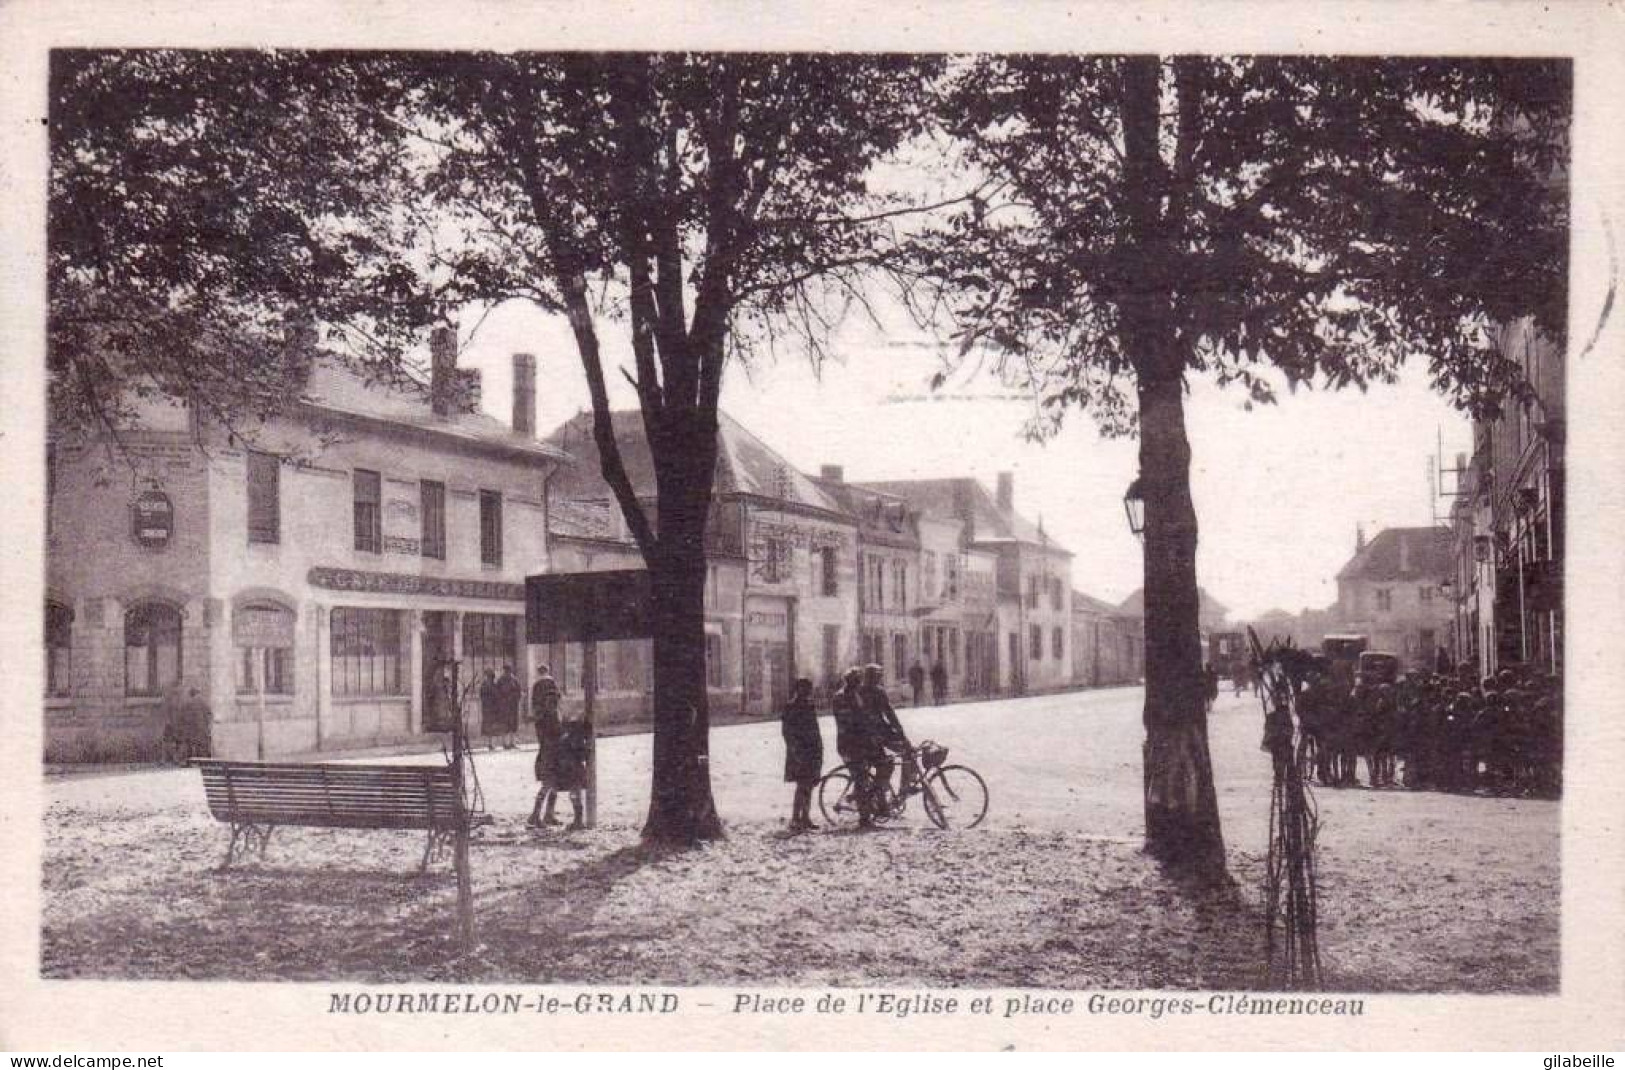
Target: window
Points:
x,y
899,654
490,527
263,632
369,533
952,565
432,509
264,498
152,648
1032,592
713,660
1055,644
58,649
899,581
1425,594
1035,642
366,648
1055,596
1385,599
928,576
831,584
490,641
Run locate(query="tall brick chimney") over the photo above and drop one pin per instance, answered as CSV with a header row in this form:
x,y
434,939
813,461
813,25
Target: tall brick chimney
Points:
x,y
442,370
524,394
1006,496
831,473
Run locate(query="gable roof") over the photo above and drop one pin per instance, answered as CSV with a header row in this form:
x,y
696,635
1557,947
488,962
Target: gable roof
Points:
x,y
745,464
1397,554
335,387
1086,603
966,499
884,519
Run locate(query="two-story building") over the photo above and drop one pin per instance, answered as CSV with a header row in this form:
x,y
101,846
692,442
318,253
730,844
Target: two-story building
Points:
x,y
782,593
305,578
1391,591
1032,579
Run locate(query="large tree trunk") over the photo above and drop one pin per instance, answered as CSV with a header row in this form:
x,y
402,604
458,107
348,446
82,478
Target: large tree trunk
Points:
x,y
1181,807
681,807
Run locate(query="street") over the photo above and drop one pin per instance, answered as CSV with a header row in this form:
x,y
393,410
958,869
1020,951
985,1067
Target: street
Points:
x,y
1420,891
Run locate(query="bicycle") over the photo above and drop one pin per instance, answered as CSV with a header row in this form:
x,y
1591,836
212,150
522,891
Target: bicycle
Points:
x,y
954,796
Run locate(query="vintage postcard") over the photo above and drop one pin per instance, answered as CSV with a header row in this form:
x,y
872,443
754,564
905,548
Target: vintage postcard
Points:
x,y
790,526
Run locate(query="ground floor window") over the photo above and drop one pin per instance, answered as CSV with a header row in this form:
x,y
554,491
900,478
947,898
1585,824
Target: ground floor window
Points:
x,y
58,649
367,652
899,653
713,660
152,648
1057,644
1035,642
263,633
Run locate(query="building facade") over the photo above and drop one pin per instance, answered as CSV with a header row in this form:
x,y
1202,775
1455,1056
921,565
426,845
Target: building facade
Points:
x,y
1108,644
1508,520
305,581
1393,592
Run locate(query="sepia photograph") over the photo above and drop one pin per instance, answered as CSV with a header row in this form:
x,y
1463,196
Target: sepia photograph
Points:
x,y
894,525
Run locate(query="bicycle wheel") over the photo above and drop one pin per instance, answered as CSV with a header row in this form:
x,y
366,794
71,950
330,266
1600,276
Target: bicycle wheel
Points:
x,y
837,797
955,797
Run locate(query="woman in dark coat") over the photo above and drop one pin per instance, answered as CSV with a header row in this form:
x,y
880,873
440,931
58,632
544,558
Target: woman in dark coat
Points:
x,y
803,753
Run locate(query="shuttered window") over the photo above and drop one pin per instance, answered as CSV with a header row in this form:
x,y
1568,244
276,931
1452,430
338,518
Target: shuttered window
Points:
x,y
369,535
264,498
490,527
434,519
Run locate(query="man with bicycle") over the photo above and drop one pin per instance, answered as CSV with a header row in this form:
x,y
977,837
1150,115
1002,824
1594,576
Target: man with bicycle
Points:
x,y
887,733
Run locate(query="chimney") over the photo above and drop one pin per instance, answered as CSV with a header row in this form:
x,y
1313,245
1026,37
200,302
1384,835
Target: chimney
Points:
x,y
1006,496
963,511
524,394
831,473
442,369
1359,537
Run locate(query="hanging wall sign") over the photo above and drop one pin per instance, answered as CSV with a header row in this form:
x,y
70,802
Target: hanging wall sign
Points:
x,y
152,519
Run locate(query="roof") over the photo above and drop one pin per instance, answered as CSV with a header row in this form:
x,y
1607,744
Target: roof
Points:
x,y
1398,554
1091,604
966,499
336,387
884,519
1209,609
745,464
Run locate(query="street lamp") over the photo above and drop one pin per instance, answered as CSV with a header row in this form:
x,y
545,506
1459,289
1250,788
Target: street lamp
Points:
x,y
1134,508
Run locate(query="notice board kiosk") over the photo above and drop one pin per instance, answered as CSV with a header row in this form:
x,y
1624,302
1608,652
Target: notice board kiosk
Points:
x,y
588,608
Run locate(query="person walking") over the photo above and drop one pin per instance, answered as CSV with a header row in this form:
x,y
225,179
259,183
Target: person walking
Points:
x,y
803,753
544,713
916,680
509,692
939,682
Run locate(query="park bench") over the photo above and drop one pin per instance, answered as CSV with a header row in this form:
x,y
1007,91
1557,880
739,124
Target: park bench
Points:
x,y
255,797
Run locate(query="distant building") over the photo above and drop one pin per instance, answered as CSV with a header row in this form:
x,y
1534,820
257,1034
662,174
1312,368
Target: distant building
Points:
x,y
1391,592
306,583
1108,643
1211,614
1032,582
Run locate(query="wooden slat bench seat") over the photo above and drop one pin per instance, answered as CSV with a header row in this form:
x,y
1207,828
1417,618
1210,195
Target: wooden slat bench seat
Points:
x,y
255,797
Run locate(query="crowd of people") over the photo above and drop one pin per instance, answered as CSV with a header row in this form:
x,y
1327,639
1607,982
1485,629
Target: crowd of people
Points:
x,y
1436,731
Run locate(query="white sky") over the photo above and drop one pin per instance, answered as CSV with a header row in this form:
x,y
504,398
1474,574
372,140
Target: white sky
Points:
x,y
1279,490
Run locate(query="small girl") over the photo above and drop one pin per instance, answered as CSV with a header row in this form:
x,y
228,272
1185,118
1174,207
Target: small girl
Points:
x,y
803,753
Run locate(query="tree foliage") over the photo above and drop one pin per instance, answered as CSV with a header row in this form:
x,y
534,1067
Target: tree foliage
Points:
x,y
1325,219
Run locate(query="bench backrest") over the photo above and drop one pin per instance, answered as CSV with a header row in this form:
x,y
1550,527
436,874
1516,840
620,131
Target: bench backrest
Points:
x,y
333,795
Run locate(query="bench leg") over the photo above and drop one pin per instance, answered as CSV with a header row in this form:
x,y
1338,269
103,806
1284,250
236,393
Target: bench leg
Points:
x,y
245,837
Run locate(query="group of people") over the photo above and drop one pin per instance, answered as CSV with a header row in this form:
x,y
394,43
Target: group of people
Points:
x,y
917,676
1438,731
500,699
868,735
